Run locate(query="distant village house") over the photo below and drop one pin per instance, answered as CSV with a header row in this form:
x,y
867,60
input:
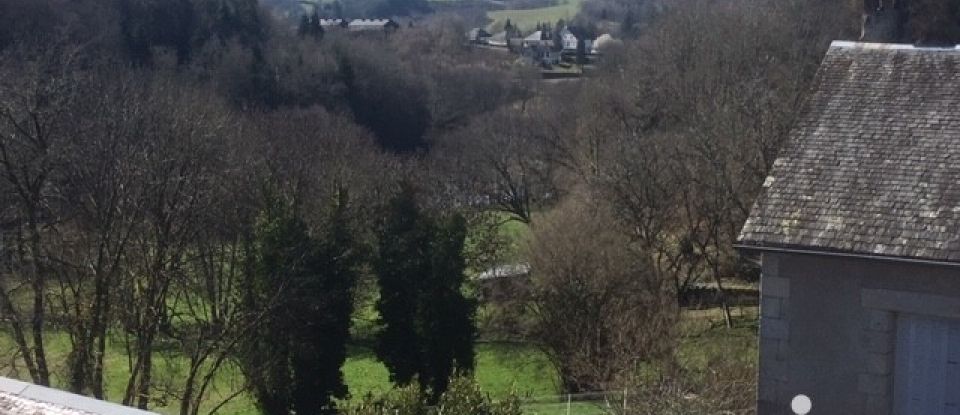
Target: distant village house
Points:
x,y
373,25
478,36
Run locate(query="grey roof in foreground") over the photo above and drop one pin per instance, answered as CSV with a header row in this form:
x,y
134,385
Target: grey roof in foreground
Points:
x,y
872,166
21,398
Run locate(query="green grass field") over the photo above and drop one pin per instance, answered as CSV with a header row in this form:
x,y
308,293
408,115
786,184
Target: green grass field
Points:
x,y
528,19
502,368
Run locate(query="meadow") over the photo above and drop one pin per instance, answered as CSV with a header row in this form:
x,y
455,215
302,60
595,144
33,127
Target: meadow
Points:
x,y
527,19
502,367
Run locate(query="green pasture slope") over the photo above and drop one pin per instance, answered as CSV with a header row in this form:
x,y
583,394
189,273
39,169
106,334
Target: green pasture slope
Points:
x,y
528,19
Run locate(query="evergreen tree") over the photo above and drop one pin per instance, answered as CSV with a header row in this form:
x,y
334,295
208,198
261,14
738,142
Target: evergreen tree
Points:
x,y
322,310
304,28
447,314
629,24
275,261
310,25
401,267
294,361
581,51
558,34
428,322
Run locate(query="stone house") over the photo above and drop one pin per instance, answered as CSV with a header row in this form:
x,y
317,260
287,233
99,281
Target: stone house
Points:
x,y
858,234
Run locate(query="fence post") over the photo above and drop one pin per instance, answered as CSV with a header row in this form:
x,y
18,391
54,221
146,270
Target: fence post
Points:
x,y
568,404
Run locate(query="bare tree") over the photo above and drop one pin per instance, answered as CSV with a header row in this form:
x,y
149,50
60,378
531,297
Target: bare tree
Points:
x,y
502,161
102,209
179,137
599,309
35,95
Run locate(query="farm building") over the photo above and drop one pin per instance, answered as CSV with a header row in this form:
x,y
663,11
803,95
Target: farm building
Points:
x,y
21,398
328,24
858,234
373,25
499,39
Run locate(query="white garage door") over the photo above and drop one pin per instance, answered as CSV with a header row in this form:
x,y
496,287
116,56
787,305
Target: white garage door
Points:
x,y
927,371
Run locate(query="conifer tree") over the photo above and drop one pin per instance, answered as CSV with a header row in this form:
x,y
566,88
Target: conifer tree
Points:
x,y
401,266
429,326
447,313
294,362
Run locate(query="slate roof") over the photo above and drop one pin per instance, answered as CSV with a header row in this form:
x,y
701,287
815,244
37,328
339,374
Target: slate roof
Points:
x,y
873,164
21,398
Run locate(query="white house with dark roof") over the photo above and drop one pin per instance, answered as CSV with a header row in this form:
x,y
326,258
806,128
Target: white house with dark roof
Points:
x,y
22,398
571,42
858,233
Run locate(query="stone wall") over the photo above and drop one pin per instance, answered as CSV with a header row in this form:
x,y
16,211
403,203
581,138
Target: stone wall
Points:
x,y
774,335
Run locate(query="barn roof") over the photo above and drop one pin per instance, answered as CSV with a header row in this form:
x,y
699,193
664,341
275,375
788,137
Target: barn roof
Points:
x,y
332,22
21,398
371,23
872,166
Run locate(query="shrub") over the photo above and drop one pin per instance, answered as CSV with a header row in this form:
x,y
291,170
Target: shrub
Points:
x,y
402,400
600,310
463,397
728,386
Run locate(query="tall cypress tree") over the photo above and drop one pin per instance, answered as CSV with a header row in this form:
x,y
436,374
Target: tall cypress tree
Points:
x,y
275,260
448,315
428,323
294,361
401,266
324,307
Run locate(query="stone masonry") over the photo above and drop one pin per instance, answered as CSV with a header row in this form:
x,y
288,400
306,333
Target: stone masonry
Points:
x,y
774,335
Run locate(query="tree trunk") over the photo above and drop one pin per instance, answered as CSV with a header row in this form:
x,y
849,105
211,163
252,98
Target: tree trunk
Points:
x,y
727,317
39,292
